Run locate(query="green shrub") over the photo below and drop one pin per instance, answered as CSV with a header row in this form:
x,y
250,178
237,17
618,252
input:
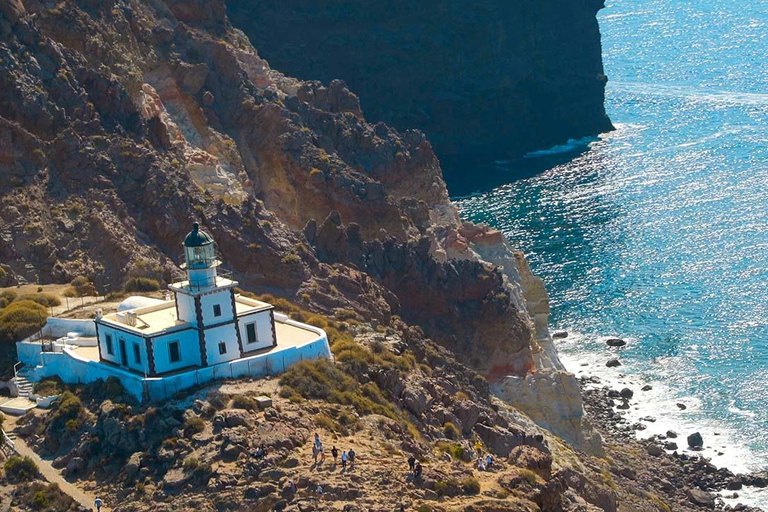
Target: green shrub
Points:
x,y
44,299
194,425
141,284
470,485
20,469
218,400
244,402
424,508
324,421
68,407
83,286
450,430
455,450
21,319
6,297
48,387
190,464
323,380
72,425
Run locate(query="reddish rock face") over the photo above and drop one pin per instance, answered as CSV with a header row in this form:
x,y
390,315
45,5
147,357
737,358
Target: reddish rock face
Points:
x,y
122,123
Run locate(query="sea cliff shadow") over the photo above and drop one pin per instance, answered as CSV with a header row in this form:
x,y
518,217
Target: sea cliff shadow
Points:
x,y
467,176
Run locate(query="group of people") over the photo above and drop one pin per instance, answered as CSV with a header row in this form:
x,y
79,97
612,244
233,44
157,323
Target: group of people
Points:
x,y
415,467
347,457
485,464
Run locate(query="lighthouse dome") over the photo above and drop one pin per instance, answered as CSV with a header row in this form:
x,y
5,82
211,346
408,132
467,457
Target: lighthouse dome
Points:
x,y
197,238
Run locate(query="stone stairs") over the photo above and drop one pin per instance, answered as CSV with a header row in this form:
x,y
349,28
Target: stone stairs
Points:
x,y
23,385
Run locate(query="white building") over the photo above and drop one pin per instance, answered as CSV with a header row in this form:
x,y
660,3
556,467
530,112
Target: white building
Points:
x,y
207,331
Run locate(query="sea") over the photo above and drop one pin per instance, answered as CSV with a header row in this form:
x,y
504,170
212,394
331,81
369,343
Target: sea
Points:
x,y
657,232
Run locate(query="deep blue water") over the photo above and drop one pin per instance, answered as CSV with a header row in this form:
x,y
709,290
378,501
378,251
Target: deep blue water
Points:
x,y
658,232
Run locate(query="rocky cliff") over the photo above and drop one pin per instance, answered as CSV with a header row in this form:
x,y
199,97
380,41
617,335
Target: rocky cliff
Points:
x,y
123,121
484,79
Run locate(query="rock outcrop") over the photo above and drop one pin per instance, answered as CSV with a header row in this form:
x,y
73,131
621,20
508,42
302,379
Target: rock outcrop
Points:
x,y
482,79
123,121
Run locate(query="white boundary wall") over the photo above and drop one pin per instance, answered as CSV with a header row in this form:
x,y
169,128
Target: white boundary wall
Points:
x,y
74,369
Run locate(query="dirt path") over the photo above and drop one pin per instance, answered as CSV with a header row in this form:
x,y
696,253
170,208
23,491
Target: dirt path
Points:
x,y
52,475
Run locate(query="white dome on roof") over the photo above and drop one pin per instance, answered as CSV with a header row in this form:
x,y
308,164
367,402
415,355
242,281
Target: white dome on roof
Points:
x,y
137,301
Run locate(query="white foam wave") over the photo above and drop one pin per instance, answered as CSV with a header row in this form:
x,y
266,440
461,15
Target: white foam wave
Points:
x,y
568,147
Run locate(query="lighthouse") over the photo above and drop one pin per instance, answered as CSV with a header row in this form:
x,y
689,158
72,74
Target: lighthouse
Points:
x,y
200,258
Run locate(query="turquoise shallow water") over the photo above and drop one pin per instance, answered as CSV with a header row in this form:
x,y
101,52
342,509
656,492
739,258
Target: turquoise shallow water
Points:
x,y
658,232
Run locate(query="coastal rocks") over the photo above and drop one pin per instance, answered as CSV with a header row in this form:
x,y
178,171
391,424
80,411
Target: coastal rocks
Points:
x,y
560,334
613,363
654,450
647,387
626,393
671,434
695,441
682,407
701,498
553,400
615,342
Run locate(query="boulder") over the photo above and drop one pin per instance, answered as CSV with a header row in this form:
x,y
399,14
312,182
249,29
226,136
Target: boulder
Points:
x,y
237,417
560,334
532,459
133,465
734,484
75,465
627,393
613,363
671,434
654,450
615,342
695,440
467,413
263,402
701,498
415,401
682,407
647,387
670,446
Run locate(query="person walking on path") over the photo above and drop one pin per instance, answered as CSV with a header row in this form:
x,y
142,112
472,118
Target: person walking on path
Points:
x,y
98,504
351,457
417,471
322,454
411,462
344,460
335,453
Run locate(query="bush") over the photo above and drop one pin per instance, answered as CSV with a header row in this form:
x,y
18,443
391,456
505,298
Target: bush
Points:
x,y
244,402
455,450
21,319
194,426
141,284
424,508
326,381
324,421
45,497
68,407
190,464
450,430
83,287
44,299
6,297
20,469
470,485
49,387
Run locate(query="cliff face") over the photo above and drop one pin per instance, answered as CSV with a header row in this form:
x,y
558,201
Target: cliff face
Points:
x,y
484,79
123,121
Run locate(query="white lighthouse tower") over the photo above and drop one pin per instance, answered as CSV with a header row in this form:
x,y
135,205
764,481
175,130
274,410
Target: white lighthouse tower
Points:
x,y
207,300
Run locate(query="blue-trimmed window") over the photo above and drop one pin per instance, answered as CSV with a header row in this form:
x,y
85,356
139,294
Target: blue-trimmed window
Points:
x,y
108,342
216,310
174,354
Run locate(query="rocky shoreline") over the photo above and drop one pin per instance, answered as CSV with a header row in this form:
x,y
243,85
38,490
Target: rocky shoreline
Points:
x,y
691,481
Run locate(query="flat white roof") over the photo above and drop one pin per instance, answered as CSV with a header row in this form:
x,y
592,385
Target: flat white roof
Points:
x,y
151,320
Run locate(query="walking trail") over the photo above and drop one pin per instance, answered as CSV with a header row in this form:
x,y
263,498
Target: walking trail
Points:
x,y
53,476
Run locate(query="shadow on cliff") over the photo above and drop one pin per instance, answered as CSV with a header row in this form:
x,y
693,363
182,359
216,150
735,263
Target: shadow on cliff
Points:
x,y
471,176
